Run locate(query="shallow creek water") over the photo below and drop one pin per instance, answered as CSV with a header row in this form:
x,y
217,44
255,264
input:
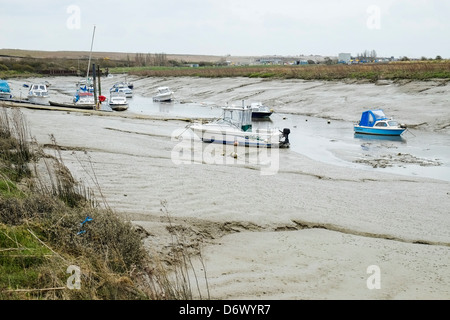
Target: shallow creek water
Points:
x,y
415,152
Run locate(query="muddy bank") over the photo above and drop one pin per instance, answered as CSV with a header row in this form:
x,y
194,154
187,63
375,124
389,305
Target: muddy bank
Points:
x,y
289,227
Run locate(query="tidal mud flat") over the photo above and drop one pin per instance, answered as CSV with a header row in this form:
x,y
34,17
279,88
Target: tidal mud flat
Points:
x,y
309,229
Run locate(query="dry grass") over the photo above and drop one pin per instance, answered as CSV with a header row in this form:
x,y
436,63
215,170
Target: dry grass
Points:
x,y
373,72
49,222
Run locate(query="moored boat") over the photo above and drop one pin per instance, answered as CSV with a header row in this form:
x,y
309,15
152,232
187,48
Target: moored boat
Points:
x,y
5,90
260,111
118,101
375,122
84,99
122,88
163,94
234,127
85,102
38,94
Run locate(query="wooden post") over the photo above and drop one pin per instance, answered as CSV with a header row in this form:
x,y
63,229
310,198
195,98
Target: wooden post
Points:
x,y
94,83
99,86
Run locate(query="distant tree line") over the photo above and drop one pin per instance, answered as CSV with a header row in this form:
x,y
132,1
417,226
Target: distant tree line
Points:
x,y
79,66
161,60
369,56
149,59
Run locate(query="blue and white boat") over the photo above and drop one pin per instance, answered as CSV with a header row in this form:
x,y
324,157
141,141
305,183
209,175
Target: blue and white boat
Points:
x,y
5,90
376,122
122,87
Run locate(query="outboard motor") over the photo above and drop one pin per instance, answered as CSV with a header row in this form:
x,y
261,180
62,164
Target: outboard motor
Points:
x,y
285,143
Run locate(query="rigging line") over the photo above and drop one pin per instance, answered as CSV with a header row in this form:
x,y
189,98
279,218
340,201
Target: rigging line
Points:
x,y
90,55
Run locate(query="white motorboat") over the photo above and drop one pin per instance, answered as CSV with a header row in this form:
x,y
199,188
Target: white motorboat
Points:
x,y
235,128
38,94
118,101
260,111
163,94
122,88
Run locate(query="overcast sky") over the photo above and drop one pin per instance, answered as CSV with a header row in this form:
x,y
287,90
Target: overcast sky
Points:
x,y
412,28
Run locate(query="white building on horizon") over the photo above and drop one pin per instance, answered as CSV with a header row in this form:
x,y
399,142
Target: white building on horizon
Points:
x,y
344,57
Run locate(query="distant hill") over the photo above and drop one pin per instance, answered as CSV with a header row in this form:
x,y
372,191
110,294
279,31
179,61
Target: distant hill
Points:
x,y
18,53
123,56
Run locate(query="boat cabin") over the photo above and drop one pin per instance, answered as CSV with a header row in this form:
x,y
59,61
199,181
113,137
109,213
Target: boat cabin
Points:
x,y
239,116
39,90
84,97
164,90
369,117
386,123
376,122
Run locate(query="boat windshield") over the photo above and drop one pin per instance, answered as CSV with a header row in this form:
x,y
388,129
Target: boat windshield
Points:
x,y
393,123
119,93
237,116
259,106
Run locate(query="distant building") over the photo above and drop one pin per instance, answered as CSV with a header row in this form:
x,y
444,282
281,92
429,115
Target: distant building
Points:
x,y
344,57
301,62
269,61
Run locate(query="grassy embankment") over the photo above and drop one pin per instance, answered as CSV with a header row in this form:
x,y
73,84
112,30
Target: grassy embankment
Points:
x,y
372,72
43,240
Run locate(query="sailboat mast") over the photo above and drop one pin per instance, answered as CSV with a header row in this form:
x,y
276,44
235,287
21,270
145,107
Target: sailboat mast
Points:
x,y
90,55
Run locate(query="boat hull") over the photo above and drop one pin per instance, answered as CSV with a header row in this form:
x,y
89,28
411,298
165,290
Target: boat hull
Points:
x,y
165,98
72,105
261,115
118,107
379,131
269,139
378,137
5,95
38,100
